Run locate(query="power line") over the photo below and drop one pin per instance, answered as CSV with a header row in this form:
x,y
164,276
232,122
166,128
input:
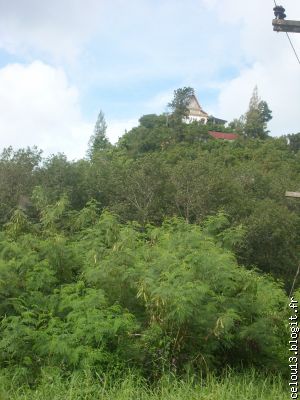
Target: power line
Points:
x,y
290,40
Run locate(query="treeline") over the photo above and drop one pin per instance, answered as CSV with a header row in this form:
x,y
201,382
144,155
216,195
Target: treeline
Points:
x,y
192,179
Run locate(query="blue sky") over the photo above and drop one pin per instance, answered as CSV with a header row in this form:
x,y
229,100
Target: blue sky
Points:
x,y
61,62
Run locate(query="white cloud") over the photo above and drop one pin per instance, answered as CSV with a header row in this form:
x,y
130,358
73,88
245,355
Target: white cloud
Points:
x,y
112,44
39,107
57,28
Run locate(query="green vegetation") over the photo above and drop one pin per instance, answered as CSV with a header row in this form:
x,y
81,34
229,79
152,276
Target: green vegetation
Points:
x,y
81,386
98,140
254,123
152,267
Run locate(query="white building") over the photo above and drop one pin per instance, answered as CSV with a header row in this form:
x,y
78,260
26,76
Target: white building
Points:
x,y
196,113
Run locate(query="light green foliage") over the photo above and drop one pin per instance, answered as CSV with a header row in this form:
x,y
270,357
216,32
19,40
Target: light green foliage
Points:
x,y
18,223
229,237
49,316
192,291
83,386
166,298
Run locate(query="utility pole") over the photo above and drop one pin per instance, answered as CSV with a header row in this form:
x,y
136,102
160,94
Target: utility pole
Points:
x,y
280,24
292,194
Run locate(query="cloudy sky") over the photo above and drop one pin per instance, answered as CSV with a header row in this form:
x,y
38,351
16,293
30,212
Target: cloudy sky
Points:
x,y
62,61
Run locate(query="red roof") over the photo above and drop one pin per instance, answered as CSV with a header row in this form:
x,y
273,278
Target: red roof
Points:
x,y
222,135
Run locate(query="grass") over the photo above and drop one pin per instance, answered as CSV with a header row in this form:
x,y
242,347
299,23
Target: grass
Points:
x,y
247,386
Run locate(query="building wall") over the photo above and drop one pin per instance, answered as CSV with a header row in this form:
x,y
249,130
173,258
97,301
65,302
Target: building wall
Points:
x,y
195,112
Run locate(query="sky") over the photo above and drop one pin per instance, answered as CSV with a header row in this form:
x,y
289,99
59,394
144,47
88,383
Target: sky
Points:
x,y
63,61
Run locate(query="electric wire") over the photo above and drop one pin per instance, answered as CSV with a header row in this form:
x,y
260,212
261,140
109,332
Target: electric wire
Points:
x,y
290,40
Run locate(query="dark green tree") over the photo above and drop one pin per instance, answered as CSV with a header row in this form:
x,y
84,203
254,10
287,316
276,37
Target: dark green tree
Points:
x,y
17,178
98,140
179,108
257,117
265,112
180,102
272,240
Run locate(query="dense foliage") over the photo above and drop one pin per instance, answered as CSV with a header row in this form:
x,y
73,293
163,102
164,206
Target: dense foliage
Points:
x,y
151,175
82,291
168,252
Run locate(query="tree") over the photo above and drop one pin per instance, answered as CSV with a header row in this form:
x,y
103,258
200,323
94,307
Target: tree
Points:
x,y
190,181
152,121
180,102
17,178
265,112
98,140
257,117
179,107
151,135
143,191
272,240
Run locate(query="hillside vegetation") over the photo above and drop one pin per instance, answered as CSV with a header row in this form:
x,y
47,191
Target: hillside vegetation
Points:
x,y
168,256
